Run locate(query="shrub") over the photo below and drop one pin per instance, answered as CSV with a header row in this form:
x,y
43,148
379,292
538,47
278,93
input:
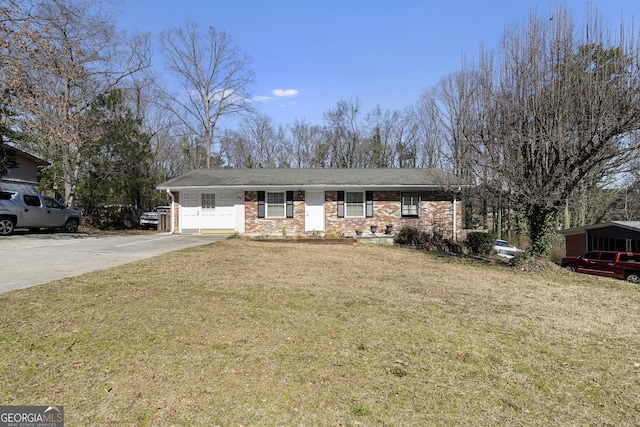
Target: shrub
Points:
x,y
110,217
424,240
480,243
407,236
333,235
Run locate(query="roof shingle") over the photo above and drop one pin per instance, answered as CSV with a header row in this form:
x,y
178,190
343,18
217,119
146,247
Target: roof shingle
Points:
x,y
315,178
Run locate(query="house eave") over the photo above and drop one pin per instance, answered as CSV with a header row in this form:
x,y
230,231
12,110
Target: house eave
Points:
x,y
346,187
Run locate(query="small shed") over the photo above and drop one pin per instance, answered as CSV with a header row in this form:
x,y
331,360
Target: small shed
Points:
x,y
609,236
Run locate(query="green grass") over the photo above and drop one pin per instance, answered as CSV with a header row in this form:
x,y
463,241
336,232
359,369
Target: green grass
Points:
x,y
267,334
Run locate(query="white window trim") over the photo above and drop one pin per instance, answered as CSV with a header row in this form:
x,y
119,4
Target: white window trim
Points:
x,y
417,205
202,196
362,204
267,204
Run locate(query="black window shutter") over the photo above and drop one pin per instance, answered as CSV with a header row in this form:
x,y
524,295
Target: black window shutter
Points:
x,y
260,204
340,204
289,204
369,204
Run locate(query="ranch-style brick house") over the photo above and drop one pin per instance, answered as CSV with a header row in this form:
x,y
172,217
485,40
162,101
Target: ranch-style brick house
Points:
x,y
314,201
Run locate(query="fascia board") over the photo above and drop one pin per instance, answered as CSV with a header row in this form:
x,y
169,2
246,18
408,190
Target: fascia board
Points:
x,y
346,187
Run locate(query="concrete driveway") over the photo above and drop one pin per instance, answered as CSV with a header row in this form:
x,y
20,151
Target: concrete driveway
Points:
x,y
29,259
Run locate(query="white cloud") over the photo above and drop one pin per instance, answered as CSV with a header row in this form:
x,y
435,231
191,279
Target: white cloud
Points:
x,y
261,98
285,93
278,94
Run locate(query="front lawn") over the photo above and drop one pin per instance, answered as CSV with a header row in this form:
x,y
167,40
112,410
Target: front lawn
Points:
x,y
279,334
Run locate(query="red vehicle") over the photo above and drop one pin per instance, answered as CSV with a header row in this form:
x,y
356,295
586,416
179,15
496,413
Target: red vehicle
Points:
x,y
621,265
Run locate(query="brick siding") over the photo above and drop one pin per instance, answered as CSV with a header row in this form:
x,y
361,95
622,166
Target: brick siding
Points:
x,y
576,244
436,215
272,226
176,211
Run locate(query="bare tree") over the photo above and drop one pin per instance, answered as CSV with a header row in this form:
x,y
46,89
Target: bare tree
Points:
x,y
58,58
568,106
432,134
166,131
630,206
235,150
345,133
449,112
260,135
379,144
406,140
309,146
214,79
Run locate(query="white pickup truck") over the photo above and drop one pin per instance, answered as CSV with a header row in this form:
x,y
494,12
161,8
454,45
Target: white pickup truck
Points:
x,y
34,211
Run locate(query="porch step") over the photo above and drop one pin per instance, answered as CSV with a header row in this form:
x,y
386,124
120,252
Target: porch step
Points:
x,y
220,231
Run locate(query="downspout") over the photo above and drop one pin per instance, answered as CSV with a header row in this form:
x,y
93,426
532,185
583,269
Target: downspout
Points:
x,y
173,201
455,231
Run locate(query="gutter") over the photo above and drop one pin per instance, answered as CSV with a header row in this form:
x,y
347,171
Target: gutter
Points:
x,y
278,187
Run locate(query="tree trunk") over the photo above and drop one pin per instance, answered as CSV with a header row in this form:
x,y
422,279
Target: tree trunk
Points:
x,y
499,221
542,229
485,215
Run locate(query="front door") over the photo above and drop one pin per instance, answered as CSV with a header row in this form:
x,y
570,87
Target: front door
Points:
x,y
314,211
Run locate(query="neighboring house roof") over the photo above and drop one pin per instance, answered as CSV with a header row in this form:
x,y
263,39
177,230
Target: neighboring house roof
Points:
x,y
629,225
24,155
307,179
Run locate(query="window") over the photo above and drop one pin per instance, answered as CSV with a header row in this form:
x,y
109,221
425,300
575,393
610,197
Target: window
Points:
x,y
411,204
627,257
355,204
354,201
275,205
607,256
51,203
208,201
5,195
31,200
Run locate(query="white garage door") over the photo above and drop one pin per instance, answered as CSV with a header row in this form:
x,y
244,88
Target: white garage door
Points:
x,y
208,211
190,212
225,211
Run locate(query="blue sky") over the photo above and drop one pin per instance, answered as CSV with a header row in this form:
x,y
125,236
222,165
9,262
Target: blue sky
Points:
x,y
308,55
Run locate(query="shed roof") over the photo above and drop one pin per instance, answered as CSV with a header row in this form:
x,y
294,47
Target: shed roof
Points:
x,y
306,179
629,225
